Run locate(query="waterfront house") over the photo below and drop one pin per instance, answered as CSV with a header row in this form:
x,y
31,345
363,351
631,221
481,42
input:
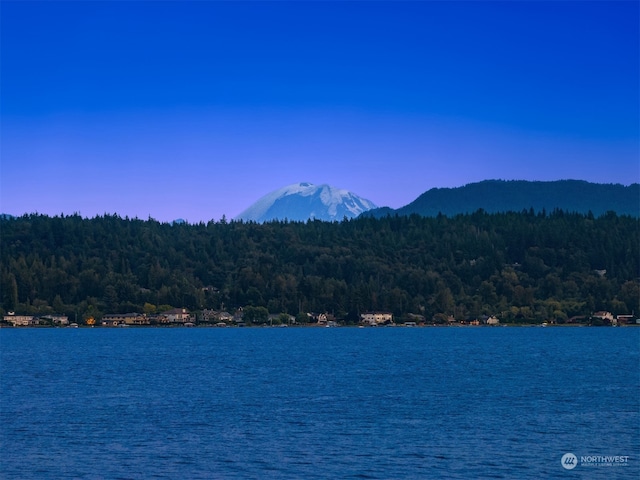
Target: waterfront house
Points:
x,y
158,319
109,321
56,319
113,320
606,317
376,318
21,320
208,315
177,315
215,316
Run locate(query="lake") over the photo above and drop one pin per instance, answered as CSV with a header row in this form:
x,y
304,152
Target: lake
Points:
x,y
259,403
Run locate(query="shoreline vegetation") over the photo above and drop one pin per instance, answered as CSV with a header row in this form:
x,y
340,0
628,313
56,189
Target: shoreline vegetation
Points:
x,y
515,268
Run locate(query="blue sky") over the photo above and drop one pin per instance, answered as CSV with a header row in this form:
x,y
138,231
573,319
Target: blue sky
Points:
x,y
196,109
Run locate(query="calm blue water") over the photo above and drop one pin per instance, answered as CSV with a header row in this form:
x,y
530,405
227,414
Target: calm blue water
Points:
x,y
317,403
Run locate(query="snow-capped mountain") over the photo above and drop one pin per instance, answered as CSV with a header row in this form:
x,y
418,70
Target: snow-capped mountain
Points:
x,y
302,201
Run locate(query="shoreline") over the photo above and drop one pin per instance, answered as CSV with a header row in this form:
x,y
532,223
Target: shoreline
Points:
x,y
511,325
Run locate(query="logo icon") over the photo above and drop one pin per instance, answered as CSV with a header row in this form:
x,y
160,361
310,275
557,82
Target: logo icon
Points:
x,y
569,461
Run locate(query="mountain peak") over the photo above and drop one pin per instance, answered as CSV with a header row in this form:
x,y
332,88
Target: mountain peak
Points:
x,y
303,201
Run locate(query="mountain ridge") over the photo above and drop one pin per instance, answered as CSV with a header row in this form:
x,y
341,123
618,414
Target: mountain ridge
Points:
x,y
495,196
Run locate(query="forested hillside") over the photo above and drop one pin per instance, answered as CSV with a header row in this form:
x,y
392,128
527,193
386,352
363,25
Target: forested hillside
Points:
x,y
519,266
495,196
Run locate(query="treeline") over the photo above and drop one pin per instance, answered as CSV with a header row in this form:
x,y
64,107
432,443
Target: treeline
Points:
x,y
521,267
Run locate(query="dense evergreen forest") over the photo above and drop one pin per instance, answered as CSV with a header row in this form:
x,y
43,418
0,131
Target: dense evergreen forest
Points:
x,y
521,267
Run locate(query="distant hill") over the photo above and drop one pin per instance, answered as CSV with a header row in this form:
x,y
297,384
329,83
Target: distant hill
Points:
x,y
496,196
303,201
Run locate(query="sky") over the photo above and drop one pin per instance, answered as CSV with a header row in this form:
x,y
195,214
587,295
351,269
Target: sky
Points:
x,y
194,110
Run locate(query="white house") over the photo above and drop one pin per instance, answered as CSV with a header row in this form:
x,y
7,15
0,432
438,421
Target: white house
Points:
x,y
21,320
376,318
177,315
